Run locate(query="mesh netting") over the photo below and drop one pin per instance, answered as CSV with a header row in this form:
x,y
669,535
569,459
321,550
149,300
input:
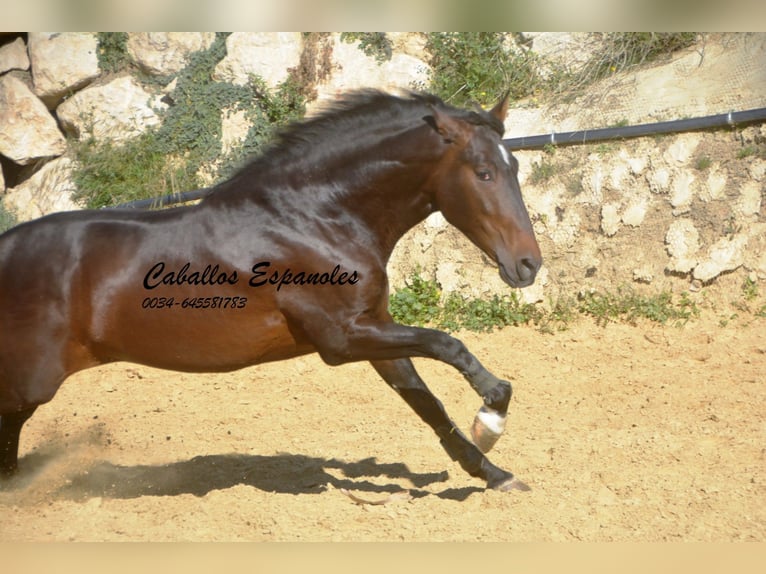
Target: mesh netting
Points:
x,y
721,73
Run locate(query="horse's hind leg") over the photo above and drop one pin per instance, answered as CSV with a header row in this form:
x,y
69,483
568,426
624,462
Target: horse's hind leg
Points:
x,y
400,374
10,431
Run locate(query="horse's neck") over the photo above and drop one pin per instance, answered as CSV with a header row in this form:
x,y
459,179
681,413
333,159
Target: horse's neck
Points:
x,y
390,204
381,187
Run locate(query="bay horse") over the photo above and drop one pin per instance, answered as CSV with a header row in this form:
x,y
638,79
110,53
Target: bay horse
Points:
x,y
287,257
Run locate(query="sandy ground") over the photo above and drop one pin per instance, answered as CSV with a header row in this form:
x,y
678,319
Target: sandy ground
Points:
x,y
624,433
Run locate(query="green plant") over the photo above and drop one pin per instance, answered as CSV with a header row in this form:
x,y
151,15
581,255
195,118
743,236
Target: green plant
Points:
x,y
541,172
549,149
109,174
747,151
629,306
749,289
750,294
484,315
703,163
7,218
417,303
113,51
604,148
562,312
479,67
374,44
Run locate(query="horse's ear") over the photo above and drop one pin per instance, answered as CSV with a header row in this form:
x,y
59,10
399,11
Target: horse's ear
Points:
x,y
501,108
446,126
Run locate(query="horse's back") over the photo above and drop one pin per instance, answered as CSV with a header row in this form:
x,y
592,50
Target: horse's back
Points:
x,y
49,268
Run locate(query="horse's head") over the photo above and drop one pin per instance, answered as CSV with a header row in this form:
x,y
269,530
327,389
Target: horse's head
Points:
x,y
477,190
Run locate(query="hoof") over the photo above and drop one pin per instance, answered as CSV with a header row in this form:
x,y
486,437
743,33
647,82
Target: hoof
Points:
x,y
487,427
512,484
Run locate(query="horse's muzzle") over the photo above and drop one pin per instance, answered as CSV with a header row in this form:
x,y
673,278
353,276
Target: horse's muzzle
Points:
x,y
523,271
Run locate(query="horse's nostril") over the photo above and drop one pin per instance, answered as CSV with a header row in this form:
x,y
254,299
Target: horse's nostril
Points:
x,y
527,268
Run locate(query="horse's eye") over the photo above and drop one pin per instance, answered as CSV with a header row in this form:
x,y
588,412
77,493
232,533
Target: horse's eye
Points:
x,y
484,174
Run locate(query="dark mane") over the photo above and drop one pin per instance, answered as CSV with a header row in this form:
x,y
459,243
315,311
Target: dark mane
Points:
x,y
345,123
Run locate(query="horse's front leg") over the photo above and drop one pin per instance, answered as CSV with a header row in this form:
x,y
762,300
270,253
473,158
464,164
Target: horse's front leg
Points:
x,y
369,340
489,423
401,376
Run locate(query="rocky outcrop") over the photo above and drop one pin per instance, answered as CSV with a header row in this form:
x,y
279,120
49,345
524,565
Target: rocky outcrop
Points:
x,y
117,111
353,69
27,130
14,56
62,63
47,191
269,55
166,53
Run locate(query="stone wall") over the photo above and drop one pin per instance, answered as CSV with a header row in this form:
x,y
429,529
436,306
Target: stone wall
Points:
x,y
51,88
674,212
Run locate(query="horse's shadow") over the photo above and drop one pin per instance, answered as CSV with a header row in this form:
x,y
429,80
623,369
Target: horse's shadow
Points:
x,y
284,473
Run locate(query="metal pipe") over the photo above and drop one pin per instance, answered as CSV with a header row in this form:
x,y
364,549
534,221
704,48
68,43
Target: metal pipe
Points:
x,y
621,132
157,202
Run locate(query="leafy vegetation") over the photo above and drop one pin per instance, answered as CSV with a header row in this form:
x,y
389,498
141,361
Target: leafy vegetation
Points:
x,y
374,44
629,306
703,163
480,67
541,172
419,303
169,158
113,51
752,150
7,218
751,299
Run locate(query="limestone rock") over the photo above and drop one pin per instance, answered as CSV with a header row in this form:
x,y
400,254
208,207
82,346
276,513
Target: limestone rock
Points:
x,y
62,62
682,242
166,53
115,111
682,149
353,69
749,202
659,180
412,43
610,218
635,212
726,254
47,191
716,185
682,192
568,49
14,56
269,55
234,129
27,130
757,169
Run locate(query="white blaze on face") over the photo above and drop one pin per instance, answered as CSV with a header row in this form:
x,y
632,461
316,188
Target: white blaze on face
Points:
x,y
504,153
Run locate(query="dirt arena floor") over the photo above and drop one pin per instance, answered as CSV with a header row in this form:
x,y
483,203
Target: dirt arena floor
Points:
x,y
624,433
